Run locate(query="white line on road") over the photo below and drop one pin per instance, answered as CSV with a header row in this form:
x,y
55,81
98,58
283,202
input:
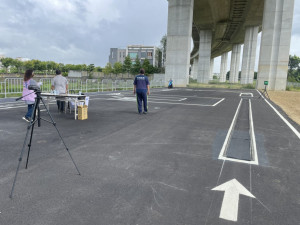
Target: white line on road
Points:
x,y
252,135
219,102
284,120
221,155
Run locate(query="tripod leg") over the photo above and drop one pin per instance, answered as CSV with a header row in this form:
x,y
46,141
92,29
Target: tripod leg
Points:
x,y
32,122
20,159
267,95
54,124
29,145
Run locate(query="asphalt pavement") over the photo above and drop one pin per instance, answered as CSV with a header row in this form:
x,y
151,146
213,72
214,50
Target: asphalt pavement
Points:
x,y
162,168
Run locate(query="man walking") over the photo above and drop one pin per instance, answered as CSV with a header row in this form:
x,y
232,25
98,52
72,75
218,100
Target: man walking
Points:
x,y
141,89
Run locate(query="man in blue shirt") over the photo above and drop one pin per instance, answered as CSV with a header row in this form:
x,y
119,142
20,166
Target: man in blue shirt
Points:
x,y
141,89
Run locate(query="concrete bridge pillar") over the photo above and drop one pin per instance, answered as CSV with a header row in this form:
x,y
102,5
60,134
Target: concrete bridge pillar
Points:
x,y
249,55
212,63
223,69
204,56
235,63
194,68
275,44
180,16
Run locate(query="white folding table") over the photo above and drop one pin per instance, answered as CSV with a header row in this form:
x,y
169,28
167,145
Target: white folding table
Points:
x,y
66,98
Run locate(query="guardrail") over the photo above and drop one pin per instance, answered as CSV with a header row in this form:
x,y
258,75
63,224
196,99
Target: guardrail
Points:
x,y
15,85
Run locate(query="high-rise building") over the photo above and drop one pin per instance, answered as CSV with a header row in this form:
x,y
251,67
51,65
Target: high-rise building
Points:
x,y
133,51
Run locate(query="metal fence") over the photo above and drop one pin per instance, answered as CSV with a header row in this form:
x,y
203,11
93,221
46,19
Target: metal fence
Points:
x,y
15,85
292,84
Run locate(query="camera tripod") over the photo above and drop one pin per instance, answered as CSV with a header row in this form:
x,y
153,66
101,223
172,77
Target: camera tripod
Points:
x,y
36,117
264,93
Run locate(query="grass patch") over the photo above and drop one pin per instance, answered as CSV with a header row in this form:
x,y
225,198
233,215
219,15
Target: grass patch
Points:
x,y
293,88
11,95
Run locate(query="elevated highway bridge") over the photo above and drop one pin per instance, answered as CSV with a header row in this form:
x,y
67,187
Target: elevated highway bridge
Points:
x,y
220,26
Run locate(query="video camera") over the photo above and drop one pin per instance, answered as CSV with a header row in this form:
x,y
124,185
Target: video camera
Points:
x,y
34,88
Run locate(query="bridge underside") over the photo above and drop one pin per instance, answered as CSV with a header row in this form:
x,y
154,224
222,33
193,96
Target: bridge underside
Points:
x,y
220,26
227,19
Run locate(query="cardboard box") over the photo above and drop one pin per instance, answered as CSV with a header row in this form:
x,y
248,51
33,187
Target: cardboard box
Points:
x,y
82,112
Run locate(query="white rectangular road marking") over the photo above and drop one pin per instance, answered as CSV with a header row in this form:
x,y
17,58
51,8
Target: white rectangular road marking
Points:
x,y
164,101
252,135
246,94
182,96
167,99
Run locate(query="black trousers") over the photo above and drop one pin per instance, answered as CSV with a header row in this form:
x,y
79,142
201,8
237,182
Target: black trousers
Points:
x,y
60,105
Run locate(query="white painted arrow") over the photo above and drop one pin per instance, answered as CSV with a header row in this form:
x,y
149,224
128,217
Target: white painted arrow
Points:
x,y
230,204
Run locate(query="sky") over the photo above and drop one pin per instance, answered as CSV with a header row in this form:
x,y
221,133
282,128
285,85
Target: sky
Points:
x,y
83,31
78,31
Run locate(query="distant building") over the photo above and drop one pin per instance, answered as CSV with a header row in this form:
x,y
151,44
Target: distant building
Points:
x,y
1,57
77,74
117,55
143,52
22,59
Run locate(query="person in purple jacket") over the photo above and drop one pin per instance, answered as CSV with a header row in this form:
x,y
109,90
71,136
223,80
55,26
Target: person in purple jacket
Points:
x,y
141,88
29,98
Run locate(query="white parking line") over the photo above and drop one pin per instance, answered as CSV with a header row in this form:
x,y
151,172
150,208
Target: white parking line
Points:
x,y
219,102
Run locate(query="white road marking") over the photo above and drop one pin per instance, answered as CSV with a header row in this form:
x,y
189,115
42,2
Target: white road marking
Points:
x,y
158,102
246,94
252,135
221,155
4,107
219,102
230,205
284,120
113,94
182,96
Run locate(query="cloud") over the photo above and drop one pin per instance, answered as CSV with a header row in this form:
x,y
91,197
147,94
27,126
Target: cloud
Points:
x,y
78,31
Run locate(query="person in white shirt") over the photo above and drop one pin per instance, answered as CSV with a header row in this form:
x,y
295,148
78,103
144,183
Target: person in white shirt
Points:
x,y
60,85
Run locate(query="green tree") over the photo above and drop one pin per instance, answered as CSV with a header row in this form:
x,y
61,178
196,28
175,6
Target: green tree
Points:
x,y
51,66
163,48
127,64
7,62
159,58
18,64
29,65
108,69
136,66
90,68
146,66
98,69
294,69
118,67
